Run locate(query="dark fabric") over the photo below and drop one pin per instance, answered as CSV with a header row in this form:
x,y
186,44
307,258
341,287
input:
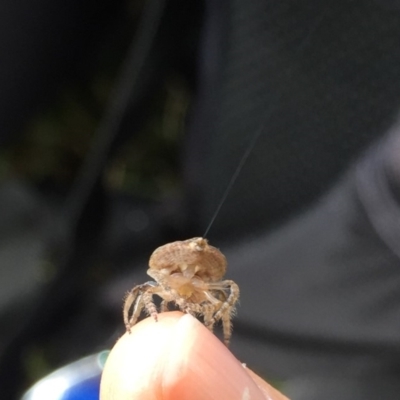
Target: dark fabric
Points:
x,y
344,389
321,78
320,293
313,226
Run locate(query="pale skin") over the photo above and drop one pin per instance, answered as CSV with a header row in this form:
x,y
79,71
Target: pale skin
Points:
x,y
175,359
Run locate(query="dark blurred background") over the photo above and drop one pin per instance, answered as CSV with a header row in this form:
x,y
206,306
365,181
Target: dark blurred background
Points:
x,y
70,83
122,124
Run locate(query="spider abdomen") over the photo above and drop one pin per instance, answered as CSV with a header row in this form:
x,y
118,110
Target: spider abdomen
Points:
x,y
190,257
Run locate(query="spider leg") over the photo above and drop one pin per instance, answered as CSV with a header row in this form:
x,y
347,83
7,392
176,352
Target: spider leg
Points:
x,y
158,276
149,304
205,309
130,299
184,306
209,320
164,306
227,325
137,309
229,303
227,308
135,298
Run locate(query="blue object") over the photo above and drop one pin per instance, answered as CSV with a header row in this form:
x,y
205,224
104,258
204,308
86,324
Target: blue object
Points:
x,y
79,380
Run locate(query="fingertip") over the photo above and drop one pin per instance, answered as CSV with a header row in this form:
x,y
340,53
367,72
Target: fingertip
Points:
x,y
177,358
199,366
135,364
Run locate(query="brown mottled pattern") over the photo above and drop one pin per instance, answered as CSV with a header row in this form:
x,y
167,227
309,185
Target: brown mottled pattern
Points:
x,y
192,252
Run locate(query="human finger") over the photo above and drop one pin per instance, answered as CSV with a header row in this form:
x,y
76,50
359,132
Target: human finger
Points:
x,y
177,358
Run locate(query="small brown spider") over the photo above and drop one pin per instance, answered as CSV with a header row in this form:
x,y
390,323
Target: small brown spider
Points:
x,y
187,273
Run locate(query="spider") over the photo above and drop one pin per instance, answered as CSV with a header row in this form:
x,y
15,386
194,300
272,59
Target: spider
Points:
x,y
187,273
